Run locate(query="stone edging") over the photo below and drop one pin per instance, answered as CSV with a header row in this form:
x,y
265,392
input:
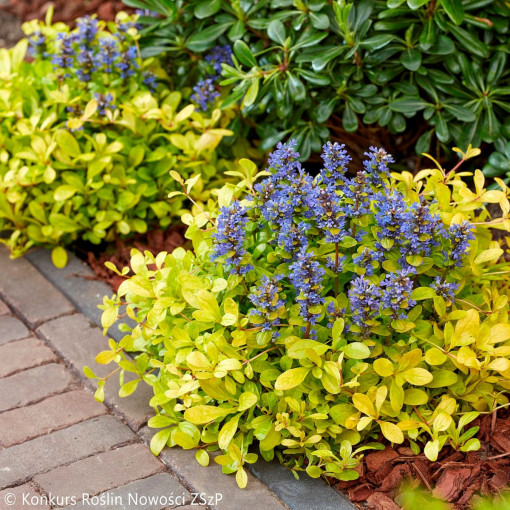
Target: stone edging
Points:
x,y
76,282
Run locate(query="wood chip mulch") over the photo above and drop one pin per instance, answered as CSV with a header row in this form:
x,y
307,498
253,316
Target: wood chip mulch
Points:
x,y
65,10
458,478
154,241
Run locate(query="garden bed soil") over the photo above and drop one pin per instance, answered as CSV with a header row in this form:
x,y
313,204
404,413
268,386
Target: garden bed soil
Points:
x,y
458,478
64,10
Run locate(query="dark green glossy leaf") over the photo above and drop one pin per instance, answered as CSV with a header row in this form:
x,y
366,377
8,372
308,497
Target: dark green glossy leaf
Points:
x,y
377,41
320,21
411,59
408,105
243,53
349,120
201,40
206,8
276,31
460,112
454,9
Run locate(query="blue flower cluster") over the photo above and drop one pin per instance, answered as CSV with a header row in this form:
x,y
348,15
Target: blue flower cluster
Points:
x,y
335,232
219,55
87,53
445,290
205,92
364,300
37,45
396,295
267,301
305,274
104,102
460,234
230,235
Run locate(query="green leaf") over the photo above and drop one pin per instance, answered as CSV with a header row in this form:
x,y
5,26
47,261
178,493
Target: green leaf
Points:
x,y
59,257
411,59
454,9
408,105
349,120
159,440
202,457
298,349
63,223
356,350
363,403
208,304
460,113
491,255
291,378
391,432
421,293
417,376
431,450
64,192
241,478
227,432
202,39
276,31
251,93
206,8
383,367
244,54
67,142
247,400
129,388
202,414
442,378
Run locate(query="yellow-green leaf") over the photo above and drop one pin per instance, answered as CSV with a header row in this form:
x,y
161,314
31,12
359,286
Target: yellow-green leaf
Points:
x,y
200,415
363,403
391,432
291,378
59,258
383,367
227,432
356,350
417,376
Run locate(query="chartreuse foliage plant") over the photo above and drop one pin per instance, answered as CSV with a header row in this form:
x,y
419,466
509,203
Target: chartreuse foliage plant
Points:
x,y
436,69
88,138
319,315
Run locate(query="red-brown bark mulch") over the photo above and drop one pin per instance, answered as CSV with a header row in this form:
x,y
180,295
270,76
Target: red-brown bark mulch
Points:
x,y
154,241
65,10
457,477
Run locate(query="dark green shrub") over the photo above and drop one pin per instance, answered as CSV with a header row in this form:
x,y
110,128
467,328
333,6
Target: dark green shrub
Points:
x,y
435,70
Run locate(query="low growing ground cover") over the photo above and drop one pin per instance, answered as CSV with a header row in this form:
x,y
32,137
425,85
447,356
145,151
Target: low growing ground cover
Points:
x,y
89,134
319,317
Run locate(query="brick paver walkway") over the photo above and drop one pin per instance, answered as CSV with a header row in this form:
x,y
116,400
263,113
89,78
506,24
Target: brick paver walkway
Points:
x,y
61,449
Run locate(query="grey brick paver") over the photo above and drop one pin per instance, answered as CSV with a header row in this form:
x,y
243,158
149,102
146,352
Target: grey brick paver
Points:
x,y
13,498
152,493
79,348
3,308
211,481
51,414
21,462
32,385
24,354
12,329
32,296
101,472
